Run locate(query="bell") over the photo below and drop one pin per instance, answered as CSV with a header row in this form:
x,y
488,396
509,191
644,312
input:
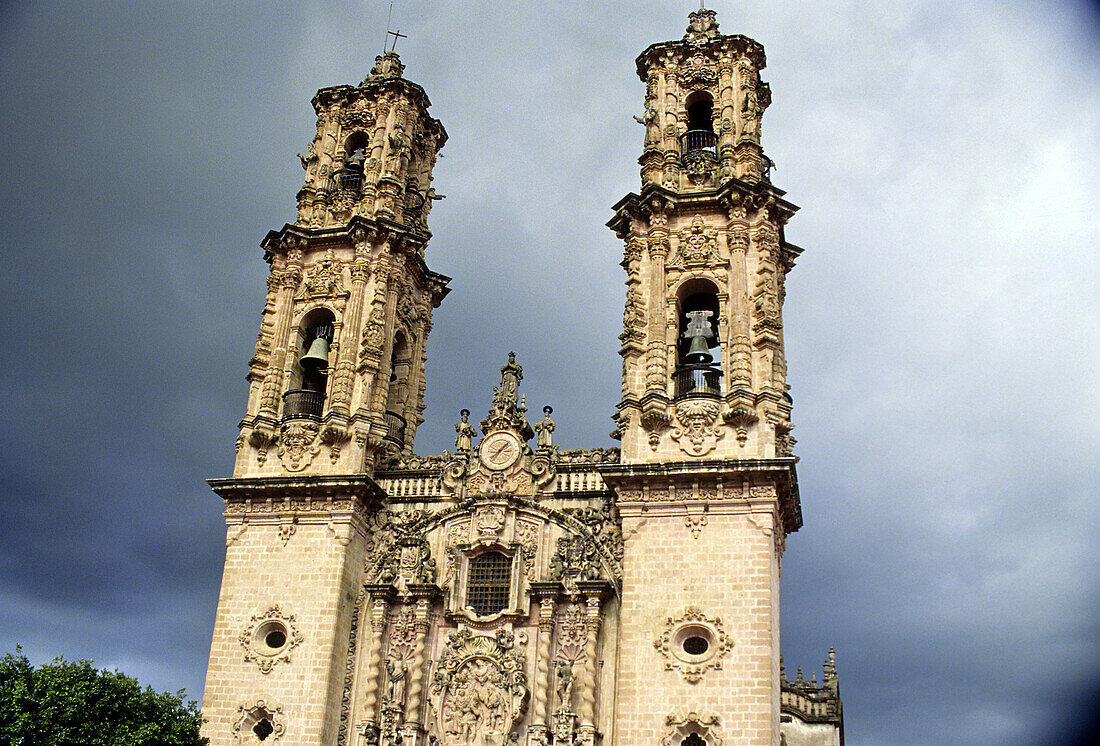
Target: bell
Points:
x,y
698,353
317,355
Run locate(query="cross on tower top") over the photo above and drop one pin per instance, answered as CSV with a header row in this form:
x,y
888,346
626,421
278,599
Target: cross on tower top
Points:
x,y
396,35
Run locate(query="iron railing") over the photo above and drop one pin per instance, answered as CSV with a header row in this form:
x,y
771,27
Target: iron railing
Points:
x,y
698,140
697,380
350,180
395,429
303,404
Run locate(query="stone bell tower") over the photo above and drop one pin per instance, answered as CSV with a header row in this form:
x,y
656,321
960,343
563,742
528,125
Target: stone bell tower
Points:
x,y
706,485
336,387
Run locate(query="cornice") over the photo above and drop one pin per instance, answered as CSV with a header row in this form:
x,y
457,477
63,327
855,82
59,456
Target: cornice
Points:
x,y
316,488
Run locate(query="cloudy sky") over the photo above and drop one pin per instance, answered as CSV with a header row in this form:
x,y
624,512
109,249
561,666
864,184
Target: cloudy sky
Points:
x,y
942,329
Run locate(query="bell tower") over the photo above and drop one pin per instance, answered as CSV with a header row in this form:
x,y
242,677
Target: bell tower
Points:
x,y
336,390
337,379
706,485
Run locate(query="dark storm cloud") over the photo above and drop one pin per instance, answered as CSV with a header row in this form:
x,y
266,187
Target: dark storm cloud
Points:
x,y
940,327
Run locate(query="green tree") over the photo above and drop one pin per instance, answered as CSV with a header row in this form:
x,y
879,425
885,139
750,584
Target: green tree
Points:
x,y
72,704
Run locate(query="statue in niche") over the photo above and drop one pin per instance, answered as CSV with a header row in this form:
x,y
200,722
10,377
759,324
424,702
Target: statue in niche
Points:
x,y
563,683
395,674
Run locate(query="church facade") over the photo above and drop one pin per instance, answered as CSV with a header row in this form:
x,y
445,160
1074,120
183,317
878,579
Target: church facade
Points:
x,y
512,592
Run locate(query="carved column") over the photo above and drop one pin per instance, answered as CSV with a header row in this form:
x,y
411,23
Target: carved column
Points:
x,y
657,366
415,698
349,342
738,240
588,683
540,724
287,279
371,669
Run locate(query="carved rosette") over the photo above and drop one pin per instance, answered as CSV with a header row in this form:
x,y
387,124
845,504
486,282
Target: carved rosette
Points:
x,y
480,689
694,431
693,660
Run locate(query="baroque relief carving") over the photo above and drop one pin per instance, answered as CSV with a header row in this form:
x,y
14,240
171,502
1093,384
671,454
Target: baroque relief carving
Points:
x,y
698,244
695,432
297,444
480,689
326,278
697,73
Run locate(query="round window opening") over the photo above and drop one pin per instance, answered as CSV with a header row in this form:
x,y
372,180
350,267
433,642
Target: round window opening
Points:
x,y
696,645
271,637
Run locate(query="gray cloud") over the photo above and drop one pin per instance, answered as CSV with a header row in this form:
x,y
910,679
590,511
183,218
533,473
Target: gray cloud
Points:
x,y
941,329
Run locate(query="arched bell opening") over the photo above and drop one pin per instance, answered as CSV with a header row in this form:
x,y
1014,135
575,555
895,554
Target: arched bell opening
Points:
x,y
698,364
397,394
306,397
700,133
350,176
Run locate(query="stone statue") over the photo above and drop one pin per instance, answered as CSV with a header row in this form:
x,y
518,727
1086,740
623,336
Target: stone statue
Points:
x,y
545,428
466,432
395,672
563,682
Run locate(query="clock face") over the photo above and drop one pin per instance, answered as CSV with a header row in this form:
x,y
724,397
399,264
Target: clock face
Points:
x,y
499,451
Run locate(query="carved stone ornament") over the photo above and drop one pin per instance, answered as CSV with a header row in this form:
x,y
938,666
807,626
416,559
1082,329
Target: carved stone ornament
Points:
x,y
698,245
633,317
683,726
297,444
374,333
326,278
489,522
697,73
411,563
695,432
269,638
358,116
480,689
700,165
693,643
259,719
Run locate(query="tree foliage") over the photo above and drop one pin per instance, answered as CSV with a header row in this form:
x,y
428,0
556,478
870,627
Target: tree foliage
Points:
x,y
64,703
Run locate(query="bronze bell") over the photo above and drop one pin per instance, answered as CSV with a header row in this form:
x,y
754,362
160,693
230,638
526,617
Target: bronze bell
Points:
x,y
317,355
699,353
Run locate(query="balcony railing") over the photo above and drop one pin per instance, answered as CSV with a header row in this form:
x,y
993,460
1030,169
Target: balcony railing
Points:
x,y
698,140
303,404
350,180
697,380
395,429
